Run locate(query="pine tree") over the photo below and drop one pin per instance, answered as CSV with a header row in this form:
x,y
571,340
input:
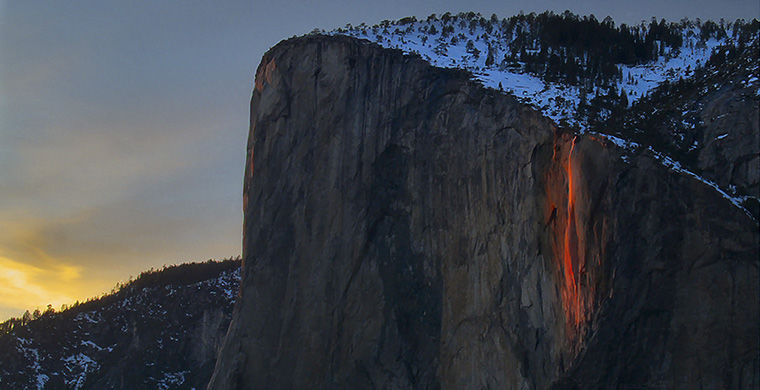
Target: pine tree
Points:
x,y
489,58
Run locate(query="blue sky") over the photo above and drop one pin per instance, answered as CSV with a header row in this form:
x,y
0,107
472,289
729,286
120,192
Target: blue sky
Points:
x,y
123,125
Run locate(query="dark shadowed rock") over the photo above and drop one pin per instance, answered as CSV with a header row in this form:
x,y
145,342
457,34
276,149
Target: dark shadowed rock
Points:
x,y
406,228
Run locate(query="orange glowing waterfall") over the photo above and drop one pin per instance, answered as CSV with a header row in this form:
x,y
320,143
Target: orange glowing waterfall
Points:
x,y
570,250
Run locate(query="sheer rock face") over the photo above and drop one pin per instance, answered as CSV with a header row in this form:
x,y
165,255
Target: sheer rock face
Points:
x,y
406,228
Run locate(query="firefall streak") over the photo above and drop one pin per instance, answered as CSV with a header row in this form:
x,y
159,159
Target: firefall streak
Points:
x,y
570,250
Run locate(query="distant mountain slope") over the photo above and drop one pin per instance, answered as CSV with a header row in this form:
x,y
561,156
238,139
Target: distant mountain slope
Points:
x,y
160,331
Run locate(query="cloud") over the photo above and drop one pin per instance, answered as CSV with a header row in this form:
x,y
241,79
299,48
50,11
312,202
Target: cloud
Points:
x,y
61,260
24,286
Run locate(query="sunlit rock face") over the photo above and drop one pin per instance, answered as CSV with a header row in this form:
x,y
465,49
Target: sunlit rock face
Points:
x,y
406,228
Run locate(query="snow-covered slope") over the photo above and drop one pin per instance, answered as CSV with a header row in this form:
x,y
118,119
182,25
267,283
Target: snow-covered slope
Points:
x,y
458,42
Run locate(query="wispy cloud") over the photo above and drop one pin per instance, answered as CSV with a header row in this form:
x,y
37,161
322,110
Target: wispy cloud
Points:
x,y
22,284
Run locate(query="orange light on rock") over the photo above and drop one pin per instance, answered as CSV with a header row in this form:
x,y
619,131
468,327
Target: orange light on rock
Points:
x,y
570,249
564,189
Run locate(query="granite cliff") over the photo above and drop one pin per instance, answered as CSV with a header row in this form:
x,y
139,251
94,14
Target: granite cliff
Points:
x,y
407,228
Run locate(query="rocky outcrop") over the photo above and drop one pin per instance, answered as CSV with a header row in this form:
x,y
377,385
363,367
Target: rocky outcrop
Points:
x,y
407,228
730,155
709,123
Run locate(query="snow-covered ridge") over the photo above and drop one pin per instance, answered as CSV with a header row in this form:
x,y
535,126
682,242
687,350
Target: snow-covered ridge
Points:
x,y
465,42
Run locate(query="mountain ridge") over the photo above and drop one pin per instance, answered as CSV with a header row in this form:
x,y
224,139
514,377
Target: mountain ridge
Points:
x,y
160,330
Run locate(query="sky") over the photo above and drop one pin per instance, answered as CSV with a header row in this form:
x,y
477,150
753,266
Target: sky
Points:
x,y
123,125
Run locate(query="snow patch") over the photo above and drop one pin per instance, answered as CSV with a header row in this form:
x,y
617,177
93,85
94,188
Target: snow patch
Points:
x,y
91,317
621,143
172,379
78,366
41,380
